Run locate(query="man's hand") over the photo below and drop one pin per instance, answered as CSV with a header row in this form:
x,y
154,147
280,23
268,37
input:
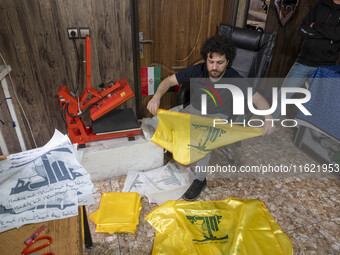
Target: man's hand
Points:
x,y
268,127
153,105
163,87
311,25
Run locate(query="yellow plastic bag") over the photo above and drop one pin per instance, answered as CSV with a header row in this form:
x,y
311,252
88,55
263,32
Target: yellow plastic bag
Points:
x,y
118,212
191,137
231,226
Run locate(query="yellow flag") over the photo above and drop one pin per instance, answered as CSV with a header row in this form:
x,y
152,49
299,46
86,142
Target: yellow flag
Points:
x,y
192,137
118,212
231,226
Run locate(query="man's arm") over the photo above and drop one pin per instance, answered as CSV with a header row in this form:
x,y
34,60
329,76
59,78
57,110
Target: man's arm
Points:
x,y
161,90
262,104
306,28
328,31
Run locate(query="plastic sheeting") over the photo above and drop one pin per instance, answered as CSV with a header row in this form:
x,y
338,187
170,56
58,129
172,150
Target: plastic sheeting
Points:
x,y
231,226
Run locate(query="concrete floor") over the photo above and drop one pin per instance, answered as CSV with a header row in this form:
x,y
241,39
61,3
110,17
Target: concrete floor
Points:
x,y
306,207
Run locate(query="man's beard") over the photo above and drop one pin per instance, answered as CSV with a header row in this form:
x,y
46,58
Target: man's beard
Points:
x,y
215,74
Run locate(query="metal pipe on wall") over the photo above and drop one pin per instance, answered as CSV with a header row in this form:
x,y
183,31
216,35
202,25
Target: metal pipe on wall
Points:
x,y
246,13
235,13
134,31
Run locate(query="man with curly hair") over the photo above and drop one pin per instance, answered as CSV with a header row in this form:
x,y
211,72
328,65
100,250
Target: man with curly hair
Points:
x,y
218,54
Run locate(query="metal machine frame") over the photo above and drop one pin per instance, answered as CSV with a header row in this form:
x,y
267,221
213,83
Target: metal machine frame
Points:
x,y
98,102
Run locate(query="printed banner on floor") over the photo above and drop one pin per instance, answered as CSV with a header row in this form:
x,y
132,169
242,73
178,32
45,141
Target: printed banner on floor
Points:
x,y
150,79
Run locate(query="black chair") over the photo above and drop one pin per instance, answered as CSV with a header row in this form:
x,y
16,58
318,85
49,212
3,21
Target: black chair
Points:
x,y
254,51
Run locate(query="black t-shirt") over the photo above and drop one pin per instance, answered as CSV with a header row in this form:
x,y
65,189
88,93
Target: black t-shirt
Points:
x,y
201,71
220,100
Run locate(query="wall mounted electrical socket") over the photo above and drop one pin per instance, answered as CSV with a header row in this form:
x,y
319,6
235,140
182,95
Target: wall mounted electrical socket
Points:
x,y
84,31
73,32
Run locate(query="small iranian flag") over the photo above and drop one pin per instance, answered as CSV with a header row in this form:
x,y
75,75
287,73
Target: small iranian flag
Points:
x,y
150,79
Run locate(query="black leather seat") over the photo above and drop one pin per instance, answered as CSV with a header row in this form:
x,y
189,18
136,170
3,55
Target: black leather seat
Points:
x,y
254,51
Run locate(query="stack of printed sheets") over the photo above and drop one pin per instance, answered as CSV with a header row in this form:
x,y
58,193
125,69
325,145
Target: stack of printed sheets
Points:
x,y
162,184
43,184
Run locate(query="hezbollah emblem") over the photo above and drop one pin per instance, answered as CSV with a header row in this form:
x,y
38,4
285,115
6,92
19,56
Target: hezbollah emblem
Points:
x,y
285,9
209,225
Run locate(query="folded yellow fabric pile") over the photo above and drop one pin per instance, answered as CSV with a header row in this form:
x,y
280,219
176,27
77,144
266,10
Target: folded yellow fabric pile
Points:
x,y
191,137
231,226
118,212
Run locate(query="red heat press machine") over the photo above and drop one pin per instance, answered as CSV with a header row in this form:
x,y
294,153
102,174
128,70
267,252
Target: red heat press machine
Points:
x,y
107,122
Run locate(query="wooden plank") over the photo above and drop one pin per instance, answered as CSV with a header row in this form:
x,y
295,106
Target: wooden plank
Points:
x,y
15,56
66,234
114,42
228,11
3,157
143,15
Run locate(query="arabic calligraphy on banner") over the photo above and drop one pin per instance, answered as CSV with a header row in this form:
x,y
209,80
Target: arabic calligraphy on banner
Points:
x,y
43,184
